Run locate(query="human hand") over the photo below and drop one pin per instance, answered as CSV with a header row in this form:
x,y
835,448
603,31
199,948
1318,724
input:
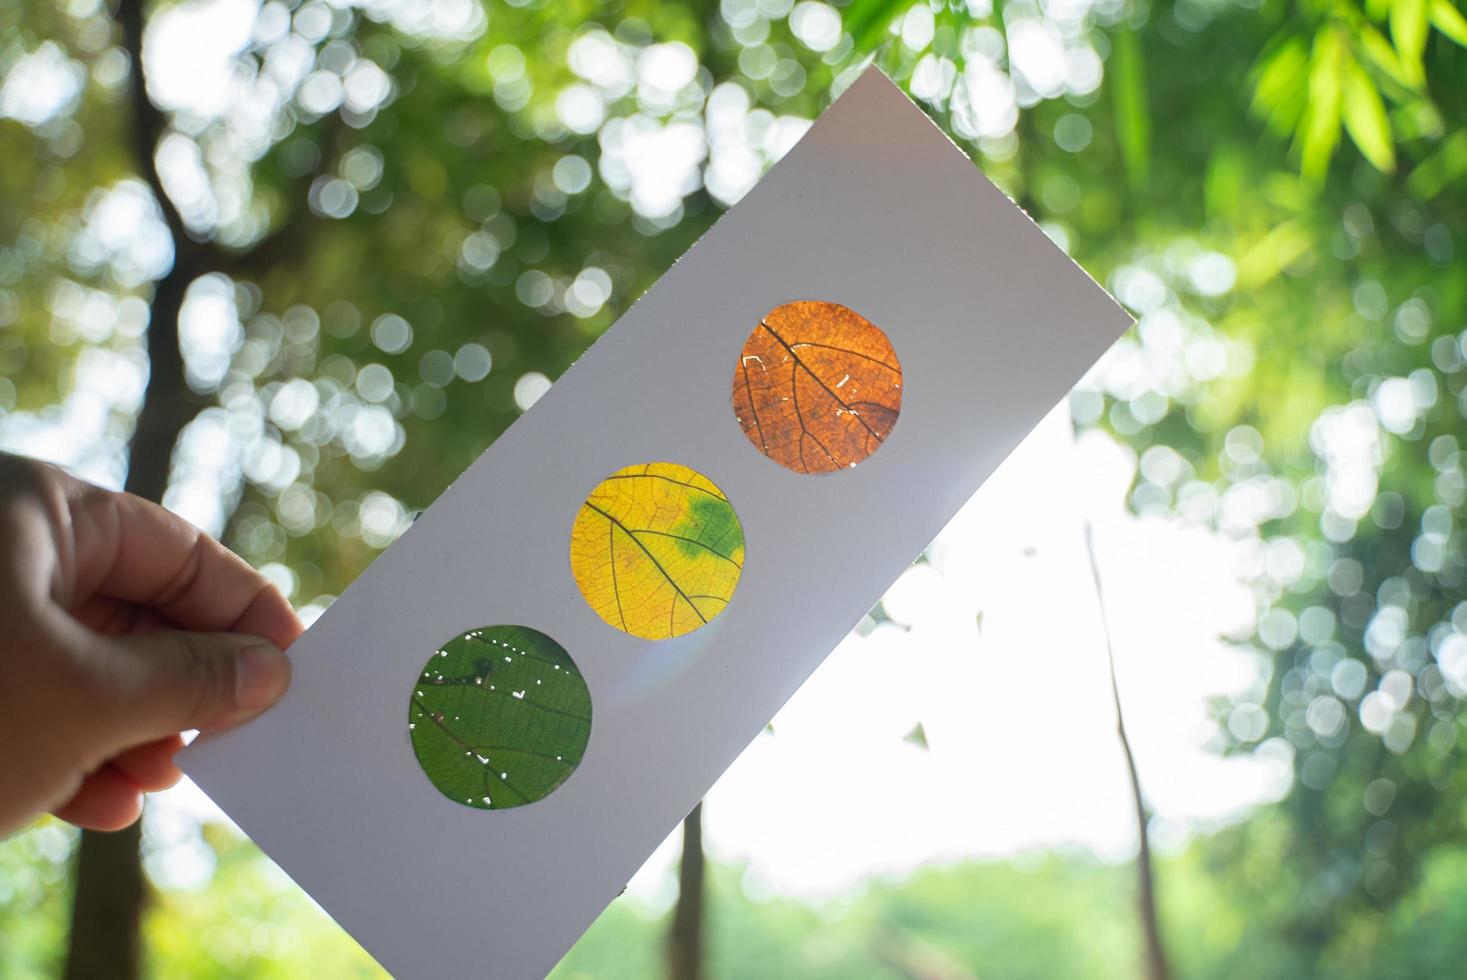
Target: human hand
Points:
x,y
121,626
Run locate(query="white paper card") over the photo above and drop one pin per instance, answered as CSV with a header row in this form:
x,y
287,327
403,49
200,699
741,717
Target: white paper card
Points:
x,y
874,209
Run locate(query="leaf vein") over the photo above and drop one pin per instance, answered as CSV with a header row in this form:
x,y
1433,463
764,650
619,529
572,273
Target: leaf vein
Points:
x,y
818,380
651,557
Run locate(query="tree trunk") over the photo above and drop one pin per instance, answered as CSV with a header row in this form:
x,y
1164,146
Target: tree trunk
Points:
x,y
107,906
685,941
110,891
107,909
1157,967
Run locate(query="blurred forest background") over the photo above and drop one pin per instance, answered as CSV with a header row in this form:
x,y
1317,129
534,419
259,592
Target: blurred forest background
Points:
x,y
295,297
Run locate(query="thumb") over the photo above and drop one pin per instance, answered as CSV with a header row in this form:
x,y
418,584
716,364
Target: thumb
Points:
x,y
173,680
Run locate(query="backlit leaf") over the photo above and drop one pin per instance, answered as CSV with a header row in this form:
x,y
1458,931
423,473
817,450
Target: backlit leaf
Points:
x,y
1279,94
1132,113
500,717
1285,243
657,550
1409,30
868,20
1378,50
817,387
1320,128
917,736
1440,170
1366,120
1449,20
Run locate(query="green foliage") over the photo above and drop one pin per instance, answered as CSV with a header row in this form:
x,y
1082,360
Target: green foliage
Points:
x,y
998,920
1054,916
1348,73
33,900
1449,20
1365,117
1133,118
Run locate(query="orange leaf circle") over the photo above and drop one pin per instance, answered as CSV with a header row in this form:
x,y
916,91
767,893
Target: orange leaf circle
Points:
x,y
818,387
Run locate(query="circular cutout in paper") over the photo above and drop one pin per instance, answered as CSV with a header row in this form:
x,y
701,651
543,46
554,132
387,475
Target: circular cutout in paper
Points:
x,y
818,387
657,550
500,717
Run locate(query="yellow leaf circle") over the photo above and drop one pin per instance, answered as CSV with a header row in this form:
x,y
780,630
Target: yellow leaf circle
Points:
x,y
657,550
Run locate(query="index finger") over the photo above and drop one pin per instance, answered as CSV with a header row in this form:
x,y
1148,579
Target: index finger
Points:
x,y
134,550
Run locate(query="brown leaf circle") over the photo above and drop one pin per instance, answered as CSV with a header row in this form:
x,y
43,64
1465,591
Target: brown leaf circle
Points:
x,y
817,387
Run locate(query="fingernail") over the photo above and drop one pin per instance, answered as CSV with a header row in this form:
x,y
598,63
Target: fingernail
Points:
x,y
261,675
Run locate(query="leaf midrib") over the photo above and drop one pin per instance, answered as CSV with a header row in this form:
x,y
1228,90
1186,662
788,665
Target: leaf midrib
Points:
x,y
821,382
650,557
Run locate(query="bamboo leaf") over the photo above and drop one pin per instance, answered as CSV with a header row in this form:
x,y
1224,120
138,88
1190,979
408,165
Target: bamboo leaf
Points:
x,y
1320,129
1365,118
1449,20
1409,30
1265,259
917,736
867,21
1378,51
1133,116
1279,91
1447,165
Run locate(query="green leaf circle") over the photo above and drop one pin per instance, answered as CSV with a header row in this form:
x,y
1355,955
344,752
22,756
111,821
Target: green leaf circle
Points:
x,y
500,717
